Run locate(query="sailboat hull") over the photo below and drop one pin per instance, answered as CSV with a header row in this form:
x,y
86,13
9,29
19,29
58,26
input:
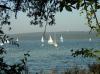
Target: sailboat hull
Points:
x,y
50,42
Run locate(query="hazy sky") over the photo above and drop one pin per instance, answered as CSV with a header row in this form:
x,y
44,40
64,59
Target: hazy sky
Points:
x,y
65,21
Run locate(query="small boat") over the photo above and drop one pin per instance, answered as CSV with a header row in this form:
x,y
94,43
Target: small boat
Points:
x,y
55,43
61,39
1,44
17,39
42,39
7,41
90,39
50,40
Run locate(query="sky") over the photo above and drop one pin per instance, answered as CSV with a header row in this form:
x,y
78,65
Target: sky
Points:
x,y
65,21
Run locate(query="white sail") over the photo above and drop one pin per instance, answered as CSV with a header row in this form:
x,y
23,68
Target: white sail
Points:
x,y
42,39
55,43
17,39
90,39
1,44
8,41
5,41
50,40
61,38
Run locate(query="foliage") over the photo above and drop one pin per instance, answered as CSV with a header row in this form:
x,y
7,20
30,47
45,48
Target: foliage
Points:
x,y
17,68
44,10
85,52
5,68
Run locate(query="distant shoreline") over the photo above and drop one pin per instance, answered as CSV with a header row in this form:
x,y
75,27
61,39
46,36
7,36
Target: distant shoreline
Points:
x,y
66,35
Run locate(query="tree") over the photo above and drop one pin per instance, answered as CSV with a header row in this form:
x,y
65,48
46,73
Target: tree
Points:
x,y
42,11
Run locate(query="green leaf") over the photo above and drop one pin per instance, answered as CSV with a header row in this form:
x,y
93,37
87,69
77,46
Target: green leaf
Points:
x,y
82,4
98,7
68,8
97,52
61,6
77,5
1,32
85,7
61,9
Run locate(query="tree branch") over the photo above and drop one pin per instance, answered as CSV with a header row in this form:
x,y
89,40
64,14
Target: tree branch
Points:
x,y
4,7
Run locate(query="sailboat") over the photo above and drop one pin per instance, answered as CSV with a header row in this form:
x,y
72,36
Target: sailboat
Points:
x,y
42,40
50,40
55,43
17,39
90,39
1,44
5,41
8,41
61,38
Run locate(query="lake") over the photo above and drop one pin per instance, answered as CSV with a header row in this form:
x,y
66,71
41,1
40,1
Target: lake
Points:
x,y
48,57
